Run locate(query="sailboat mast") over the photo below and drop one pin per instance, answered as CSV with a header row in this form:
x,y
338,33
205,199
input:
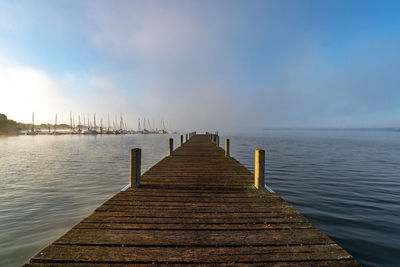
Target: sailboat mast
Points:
x,y
70,120
55,124
33,121
108,118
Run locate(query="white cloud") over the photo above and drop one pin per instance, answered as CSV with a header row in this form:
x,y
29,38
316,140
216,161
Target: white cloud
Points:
x,y
24,90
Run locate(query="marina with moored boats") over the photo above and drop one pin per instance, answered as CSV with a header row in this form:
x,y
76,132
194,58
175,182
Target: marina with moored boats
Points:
x,y
90,127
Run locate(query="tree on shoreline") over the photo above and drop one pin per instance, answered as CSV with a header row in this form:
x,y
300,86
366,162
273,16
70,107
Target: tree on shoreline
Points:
x,y
8,126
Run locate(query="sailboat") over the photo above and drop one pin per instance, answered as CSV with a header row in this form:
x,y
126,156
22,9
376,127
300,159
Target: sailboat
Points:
x,y
55,124
101,126
72,123
108,126
122,126
91,130
139,129
162,128
32,131
79,126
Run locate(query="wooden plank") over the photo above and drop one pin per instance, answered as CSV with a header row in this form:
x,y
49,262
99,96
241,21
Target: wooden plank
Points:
x,y
106,217
205,215
193,238
194,208
191,254
193,226
332,263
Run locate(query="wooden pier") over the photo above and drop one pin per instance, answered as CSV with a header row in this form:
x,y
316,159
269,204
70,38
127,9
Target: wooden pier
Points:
x,y
198,206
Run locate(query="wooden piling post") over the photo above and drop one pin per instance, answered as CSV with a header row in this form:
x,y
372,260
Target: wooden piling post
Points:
x,y
259,169
186,137
171,146
227,148
136,159
217,140
181,140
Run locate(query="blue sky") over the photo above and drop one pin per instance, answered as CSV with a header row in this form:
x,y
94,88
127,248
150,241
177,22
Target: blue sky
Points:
x,y
203,64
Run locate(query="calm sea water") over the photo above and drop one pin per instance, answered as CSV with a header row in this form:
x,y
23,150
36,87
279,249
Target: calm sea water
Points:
x,y
346,182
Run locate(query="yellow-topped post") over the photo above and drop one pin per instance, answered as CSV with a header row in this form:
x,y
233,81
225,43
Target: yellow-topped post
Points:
x,y
136,159
227,152
259,169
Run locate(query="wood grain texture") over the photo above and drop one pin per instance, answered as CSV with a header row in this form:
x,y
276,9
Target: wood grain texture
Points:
x,y
197,207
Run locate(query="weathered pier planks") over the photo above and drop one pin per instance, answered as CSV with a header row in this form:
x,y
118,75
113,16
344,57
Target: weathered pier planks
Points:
x,y
197,206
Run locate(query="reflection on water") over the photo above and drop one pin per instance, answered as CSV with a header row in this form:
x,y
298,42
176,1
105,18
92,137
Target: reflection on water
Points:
x,y
346,182
49,183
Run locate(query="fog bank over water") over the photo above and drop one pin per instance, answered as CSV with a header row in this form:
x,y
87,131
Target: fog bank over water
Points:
x,y
226,65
